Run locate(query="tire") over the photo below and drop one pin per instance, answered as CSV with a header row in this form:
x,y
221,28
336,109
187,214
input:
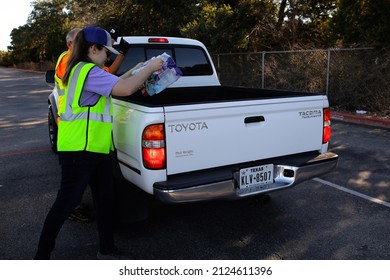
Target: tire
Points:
x,y
53,130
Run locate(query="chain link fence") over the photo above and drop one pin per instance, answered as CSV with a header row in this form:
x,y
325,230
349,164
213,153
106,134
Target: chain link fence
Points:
x,y
353,79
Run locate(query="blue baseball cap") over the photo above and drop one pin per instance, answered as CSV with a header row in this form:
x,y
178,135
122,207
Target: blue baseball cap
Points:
x,y
97,35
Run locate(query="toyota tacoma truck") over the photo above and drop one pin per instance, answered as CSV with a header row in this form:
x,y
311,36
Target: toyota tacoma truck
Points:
x,y
199,140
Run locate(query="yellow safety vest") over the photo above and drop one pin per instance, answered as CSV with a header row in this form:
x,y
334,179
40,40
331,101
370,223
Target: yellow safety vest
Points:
x,y
84,128
58,81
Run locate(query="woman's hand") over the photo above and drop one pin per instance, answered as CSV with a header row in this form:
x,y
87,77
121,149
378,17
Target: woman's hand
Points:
x,y
155,64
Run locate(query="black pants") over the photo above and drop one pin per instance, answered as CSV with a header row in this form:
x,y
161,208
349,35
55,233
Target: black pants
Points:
x,y
78,170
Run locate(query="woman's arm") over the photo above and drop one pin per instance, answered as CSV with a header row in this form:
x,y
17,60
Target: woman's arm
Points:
x,y
129,72
128,85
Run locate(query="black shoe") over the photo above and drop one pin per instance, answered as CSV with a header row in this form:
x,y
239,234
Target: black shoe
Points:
x,y
78,216
112,256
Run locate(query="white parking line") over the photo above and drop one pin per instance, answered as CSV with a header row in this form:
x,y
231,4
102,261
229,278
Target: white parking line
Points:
x,y
344,189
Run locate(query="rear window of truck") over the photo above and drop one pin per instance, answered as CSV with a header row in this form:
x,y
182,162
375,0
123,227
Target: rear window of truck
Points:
x,y
192,61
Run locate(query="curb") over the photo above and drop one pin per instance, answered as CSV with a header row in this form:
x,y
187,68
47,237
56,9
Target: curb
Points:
x,y
365,120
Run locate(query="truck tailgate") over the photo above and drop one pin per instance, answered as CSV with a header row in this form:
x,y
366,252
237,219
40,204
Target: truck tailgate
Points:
x,y
224,133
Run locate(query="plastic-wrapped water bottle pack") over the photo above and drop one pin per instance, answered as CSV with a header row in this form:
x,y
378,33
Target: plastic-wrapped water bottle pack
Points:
x,y
161,79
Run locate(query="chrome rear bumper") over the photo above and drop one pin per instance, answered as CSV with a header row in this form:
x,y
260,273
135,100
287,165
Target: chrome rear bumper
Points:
x,y
285,176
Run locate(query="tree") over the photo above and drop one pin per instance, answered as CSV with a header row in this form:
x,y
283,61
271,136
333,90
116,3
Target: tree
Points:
x,y
223,25
139,17
212,25
43,35
233,26
305,23
362,22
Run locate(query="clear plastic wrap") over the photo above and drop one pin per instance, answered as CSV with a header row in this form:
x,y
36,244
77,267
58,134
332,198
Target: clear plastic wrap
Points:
x,y
161,79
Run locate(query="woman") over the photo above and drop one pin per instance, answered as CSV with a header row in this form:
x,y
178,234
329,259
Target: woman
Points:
x,y
85,136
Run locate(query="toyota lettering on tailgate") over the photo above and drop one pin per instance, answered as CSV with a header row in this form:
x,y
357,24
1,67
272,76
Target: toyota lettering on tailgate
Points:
x,y
185,127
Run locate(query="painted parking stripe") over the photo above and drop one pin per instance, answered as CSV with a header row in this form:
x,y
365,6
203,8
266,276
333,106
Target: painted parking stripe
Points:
x,y
25,152
344,189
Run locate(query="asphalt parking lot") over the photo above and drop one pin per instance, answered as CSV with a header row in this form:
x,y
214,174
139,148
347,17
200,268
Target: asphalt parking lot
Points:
x,y
341,216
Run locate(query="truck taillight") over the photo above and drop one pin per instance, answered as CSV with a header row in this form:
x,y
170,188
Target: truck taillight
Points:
x,y
327,130
153,147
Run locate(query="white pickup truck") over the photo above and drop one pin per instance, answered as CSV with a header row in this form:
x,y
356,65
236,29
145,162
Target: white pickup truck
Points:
x,y
199,140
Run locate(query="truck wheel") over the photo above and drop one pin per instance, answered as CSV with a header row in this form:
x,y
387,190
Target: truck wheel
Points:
x,y
53,130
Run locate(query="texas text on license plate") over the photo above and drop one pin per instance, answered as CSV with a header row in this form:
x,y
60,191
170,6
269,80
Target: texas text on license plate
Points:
x,y
256,178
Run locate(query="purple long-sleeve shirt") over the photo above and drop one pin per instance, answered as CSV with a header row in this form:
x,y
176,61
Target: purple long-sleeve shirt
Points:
x,y
98,82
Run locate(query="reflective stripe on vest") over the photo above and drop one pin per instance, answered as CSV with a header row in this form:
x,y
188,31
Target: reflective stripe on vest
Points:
x,y
58,81
59,85
84,128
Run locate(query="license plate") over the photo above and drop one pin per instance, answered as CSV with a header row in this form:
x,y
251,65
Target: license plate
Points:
x,y
256,178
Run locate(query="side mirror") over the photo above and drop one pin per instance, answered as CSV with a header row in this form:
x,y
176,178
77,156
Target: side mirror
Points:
x,y
50,76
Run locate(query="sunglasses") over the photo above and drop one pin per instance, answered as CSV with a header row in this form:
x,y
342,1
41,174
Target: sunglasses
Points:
x,y
108,52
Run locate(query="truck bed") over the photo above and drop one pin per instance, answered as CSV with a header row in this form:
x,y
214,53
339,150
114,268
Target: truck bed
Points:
x,y
208,94
211,126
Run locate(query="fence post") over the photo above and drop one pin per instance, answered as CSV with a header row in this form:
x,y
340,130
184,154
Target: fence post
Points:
x,y
262,70
327,73
218,69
